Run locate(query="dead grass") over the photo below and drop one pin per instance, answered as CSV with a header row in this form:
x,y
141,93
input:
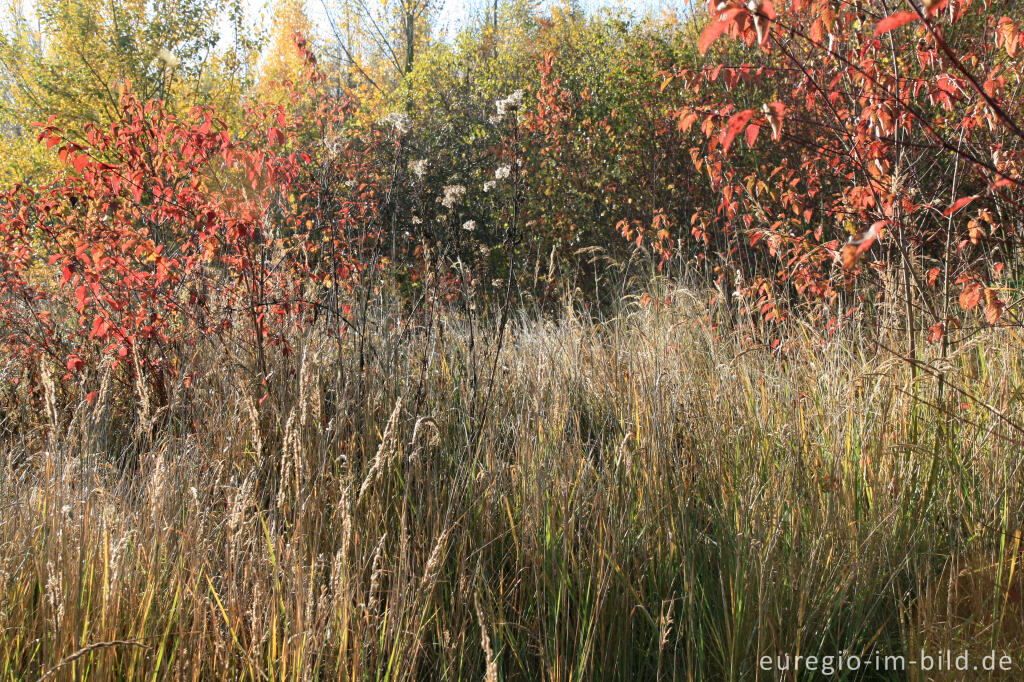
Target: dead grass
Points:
x,y
643,498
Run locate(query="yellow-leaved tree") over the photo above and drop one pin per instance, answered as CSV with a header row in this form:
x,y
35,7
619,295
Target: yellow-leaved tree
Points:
x,y
69,59
375,46
283,63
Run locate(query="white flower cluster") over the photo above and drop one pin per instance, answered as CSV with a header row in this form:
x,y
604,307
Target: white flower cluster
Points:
x,y
418,168
167,57
507,105
469,225
500,173
452,194
401,122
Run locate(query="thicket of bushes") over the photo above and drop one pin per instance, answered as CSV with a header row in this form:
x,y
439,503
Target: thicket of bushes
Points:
x,y
795,157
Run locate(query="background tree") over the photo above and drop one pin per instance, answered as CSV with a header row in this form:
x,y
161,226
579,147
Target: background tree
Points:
x,y
375,45
70,66
284,61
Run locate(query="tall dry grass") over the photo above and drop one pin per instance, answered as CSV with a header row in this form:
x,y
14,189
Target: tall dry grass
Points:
x,y
642,498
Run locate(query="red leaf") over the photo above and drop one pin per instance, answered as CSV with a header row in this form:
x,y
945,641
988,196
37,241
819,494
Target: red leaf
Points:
x,y
960,203
80,162
894,21
81,296
733,127
751,133
275,136
99,327
936,331
716,28
74,363
970,296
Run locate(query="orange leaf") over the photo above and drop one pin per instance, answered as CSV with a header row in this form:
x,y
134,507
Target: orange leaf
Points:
x,y
775,111
993,306
970,296
848,256
894,21
860,243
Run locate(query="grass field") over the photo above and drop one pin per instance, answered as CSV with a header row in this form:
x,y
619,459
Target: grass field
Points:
x,y
637,498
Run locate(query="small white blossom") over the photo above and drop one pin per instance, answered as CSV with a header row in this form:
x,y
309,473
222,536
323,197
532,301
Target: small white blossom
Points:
x,y
469,225
503,172
452,193
490,184
418,168
416,220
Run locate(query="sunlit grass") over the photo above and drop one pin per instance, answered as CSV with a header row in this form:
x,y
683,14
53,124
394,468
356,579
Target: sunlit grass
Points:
x,y
643,498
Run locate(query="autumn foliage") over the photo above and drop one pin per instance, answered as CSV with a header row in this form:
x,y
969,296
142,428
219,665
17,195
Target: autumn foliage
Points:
x,y
164,230
801,155
848,143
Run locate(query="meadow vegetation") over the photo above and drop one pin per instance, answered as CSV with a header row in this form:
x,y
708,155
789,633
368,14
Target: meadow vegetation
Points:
x,y
570,345
638,497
